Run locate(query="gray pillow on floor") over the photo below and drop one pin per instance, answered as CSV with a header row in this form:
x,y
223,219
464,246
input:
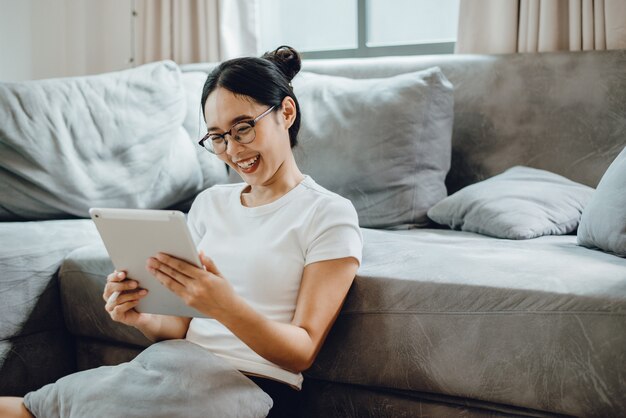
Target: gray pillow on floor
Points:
x,y
383,143
520,203
169,379
603,223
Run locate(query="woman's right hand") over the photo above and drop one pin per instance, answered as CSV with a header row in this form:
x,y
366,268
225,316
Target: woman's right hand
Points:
x,y
122,309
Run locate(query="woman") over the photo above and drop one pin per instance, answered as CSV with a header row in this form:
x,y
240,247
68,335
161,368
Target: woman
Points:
x,y
282,250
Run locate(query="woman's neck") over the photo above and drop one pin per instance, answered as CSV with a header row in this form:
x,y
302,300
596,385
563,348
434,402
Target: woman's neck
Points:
x,y
284,180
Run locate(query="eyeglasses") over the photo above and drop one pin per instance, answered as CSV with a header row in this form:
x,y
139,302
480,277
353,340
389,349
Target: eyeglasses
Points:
x,y
243,132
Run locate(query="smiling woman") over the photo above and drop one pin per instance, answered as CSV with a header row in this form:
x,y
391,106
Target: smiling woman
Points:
x,y
278,251
253,119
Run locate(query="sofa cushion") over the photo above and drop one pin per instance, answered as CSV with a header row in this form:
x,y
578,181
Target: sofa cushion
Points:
x,y
534,323
603,223
213,169
520,203
109,140
382,143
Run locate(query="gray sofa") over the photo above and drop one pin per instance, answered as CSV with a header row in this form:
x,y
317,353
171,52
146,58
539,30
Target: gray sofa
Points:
x,y
438,322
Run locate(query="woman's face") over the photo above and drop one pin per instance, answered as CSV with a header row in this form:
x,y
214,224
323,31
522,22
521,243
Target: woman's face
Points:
x,y
259,161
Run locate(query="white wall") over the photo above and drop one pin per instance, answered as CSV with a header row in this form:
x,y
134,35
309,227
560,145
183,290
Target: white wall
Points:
x,y
58,38
107,35
15,40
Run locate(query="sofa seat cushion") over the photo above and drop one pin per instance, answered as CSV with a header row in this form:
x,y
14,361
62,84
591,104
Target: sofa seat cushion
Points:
x,y
536,324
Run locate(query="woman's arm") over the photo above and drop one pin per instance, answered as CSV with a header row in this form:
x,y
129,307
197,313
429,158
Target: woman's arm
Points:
x,y
163,327
294,346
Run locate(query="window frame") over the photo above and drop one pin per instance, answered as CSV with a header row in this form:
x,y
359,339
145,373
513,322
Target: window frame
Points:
x,y
363,51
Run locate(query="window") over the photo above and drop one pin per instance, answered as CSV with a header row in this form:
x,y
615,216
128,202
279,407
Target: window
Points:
x,y
359,28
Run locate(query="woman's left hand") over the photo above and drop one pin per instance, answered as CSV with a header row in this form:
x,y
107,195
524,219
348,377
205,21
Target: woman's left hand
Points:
x,y
205,290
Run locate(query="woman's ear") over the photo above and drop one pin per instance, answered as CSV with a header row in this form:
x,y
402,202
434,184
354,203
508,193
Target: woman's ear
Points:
x,y
288,112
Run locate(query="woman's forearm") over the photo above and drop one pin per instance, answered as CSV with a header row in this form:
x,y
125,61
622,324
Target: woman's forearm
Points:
x,y
163,327
286,345
294,346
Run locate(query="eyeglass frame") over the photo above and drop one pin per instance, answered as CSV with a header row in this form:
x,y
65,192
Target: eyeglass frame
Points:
x,y
252,124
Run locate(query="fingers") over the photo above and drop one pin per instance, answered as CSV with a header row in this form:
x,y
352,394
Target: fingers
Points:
x,y
172,267
116,276
176,264
109,288
111,299
209,264
169,282
124,298
118,312
115,285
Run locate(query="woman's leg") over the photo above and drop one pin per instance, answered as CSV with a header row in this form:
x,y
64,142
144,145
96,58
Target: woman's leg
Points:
x,y
13,407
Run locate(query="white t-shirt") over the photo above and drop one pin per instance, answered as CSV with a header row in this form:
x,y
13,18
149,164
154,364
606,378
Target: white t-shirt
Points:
x,y
262,252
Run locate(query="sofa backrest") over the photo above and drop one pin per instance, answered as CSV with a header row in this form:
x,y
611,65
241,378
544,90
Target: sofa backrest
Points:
x,y
563,112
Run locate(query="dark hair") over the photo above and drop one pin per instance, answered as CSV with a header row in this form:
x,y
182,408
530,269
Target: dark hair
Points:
x,y
267,80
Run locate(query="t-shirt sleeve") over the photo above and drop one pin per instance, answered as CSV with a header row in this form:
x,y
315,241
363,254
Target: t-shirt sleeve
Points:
x,y
334,232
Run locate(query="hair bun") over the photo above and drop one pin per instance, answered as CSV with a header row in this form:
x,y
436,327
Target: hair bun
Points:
x,y
286,59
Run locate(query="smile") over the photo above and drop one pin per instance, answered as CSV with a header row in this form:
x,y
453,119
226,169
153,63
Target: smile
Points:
x,y
249,164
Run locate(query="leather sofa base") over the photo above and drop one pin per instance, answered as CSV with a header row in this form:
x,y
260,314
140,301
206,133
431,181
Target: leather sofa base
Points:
x,y
92,353
331,399
34,360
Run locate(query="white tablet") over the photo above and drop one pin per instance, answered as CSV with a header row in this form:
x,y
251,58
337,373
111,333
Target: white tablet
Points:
x,y
131,236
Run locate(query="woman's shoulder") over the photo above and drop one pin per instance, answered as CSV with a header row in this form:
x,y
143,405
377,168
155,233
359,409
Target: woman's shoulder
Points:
x,y
316,190
325,199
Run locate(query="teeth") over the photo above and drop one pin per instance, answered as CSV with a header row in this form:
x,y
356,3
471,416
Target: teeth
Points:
x,y
248,163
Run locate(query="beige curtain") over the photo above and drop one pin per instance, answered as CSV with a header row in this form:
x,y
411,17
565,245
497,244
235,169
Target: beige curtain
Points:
x,y
507,26
188,31
185,31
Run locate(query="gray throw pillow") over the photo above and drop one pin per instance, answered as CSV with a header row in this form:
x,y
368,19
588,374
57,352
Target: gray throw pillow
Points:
x,y
382,143
520,203
173,378
603,223
112,140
